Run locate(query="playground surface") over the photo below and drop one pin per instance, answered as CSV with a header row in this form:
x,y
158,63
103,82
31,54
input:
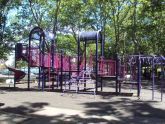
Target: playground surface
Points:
x,y
37,107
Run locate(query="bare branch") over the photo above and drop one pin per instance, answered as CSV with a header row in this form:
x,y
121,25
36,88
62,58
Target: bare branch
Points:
x,y
34,14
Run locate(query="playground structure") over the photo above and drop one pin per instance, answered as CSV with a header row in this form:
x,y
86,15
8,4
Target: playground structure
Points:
x,y
133,66
154,62
10,64
100,66
52,64
56,67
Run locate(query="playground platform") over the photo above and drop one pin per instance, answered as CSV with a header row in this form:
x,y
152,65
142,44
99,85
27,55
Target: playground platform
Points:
x,y
36,107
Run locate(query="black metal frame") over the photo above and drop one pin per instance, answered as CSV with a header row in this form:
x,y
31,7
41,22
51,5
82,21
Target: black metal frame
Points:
x,y
86,37
41,58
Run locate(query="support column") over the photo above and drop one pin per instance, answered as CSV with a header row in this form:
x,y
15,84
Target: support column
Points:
x,y
15,64
153,78
102,45
139,76
162,80
70,70
29,60
85,45
96,67
52,62
117,73
61,77
78,55
42,62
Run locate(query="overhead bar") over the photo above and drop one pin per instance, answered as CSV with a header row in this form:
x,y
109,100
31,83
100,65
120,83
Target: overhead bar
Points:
x,y
90,35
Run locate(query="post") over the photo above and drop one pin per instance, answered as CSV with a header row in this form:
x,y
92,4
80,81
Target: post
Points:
x,y
101,83
78,55
85,45
96,59
61,78
40,68
52,53
139,76
29,59
153,78
102,44
117,73
162,79
52,62
15,64
69,70
39,78
42,61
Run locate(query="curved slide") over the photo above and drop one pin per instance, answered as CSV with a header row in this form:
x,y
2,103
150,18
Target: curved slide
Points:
x,y
18,74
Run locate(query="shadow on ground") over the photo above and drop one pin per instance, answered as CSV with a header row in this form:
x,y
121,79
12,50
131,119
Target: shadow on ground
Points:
x,y
121,111
2,104
17,89
128,111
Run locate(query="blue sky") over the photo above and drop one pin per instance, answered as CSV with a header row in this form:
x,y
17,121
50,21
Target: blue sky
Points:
x,y
11,16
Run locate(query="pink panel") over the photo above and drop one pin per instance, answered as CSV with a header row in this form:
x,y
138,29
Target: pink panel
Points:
x,y
34,58
57,61
107,67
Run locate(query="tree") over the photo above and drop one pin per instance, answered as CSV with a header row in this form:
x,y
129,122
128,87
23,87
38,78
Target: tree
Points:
x,y
5,33
129,26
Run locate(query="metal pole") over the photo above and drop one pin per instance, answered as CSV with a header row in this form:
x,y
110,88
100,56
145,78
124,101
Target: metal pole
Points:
x,y
61,79
139,76
162,79
52,53
78,55
39,77
15,64
85,45
52,62
43,70
69,70
96,59
29,61
102,45
70,67
117,73
153,78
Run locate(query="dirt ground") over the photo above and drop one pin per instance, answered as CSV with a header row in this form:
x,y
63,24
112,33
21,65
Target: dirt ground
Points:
x,y
37,107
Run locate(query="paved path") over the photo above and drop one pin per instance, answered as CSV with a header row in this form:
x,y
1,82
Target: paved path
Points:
x,y
31,107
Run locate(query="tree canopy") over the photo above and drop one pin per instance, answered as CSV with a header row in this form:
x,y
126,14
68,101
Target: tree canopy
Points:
x,y
129,26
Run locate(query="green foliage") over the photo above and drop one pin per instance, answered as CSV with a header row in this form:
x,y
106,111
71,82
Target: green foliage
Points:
x,y
66,43
130,26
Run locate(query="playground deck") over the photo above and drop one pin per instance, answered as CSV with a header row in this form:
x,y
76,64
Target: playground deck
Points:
x,y
37,107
